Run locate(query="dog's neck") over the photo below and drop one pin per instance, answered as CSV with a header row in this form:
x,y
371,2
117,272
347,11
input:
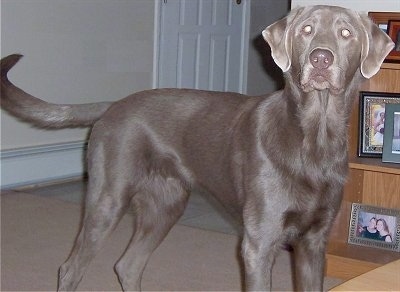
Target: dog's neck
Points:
x,y
323,122
323,116
314,139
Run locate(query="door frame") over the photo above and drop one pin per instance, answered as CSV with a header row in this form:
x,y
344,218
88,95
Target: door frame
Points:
x,y
244,49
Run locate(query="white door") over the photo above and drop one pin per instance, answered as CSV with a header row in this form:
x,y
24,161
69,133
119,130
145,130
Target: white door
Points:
x,y
202,44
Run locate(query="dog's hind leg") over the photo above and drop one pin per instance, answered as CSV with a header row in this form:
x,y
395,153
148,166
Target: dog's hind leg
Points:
x,y
157,208
99,220
107,199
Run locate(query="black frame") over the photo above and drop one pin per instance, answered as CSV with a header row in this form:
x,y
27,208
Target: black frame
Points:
x,y
371,104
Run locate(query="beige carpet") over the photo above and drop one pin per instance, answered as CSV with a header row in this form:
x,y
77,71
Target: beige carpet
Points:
x,y
37,234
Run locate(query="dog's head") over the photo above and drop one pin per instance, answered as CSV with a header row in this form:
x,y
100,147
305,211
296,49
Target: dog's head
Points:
x,y
323,46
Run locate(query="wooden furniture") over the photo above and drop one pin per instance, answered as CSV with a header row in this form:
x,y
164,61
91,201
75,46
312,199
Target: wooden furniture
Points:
x,y
385,278
370,182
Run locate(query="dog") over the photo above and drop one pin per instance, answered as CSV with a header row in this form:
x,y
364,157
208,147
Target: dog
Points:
x,y
279,161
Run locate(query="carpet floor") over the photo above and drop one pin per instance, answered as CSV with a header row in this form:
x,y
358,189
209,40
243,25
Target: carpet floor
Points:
x,y
37,234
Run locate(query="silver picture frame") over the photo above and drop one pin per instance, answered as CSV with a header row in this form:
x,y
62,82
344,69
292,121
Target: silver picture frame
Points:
x,y
389,222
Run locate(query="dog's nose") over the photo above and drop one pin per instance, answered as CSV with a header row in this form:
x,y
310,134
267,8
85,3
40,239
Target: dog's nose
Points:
x,y
321,58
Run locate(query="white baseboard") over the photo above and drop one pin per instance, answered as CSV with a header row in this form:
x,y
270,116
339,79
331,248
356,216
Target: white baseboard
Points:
x,y
38,164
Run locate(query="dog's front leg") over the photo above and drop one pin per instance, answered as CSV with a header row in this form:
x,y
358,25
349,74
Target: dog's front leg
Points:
x,y
309,258
258,266
310,248
309,252
259,248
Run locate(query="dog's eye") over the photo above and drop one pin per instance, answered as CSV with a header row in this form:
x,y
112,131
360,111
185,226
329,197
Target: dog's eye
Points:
x,y
345,33
307,29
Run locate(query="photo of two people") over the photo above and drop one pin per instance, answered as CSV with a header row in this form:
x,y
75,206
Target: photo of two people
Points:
x,y
376,226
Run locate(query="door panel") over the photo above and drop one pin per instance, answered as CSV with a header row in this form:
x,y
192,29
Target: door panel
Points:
x,y
201,45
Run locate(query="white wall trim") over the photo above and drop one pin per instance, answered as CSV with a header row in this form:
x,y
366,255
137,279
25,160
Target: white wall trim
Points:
x,y
244,58
156,46
38,164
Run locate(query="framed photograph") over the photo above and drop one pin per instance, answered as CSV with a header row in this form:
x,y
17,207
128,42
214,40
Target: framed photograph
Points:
x,y
375,227
394,33
382,19
372,121
391,139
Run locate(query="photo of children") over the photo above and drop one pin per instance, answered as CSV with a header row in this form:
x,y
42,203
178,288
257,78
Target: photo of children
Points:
x,y
378,124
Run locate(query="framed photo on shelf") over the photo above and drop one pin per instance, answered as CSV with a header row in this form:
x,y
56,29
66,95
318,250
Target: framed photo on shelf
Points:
x,y
372,121
391,139
375,227
390,23
394,33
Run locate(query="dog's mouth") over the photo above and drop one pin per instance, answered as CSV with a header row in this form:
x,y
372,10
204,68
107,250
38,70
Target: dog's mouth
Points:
x,y
319,80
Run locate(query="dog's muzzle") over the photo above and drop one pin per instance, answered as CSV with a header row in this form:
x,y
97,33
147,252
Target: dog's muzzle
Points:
x,y
318,73
321,59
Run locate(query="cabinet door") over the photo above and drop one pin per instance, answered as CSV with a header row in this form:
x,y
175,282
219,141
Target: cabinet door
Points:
x,y
381,189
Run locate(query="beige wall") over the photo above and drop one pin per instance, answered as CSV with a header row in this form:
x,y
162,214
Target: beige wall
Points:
x,y
358,5
79,51
75,51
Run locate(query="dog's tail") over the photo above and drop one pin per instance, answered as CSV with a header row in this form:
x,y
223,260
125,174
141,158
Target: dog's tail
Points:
x,y
41,113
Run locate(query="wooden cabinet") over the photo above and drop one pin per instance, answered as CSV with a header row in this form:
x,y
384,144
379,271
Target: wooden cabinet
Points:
x,y
370,182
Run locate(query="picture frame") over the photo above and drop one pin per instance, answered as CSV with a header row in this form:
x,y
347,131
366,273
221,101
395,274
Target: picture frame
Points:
x,y
371,121
374,227
394,33
382,19
391,139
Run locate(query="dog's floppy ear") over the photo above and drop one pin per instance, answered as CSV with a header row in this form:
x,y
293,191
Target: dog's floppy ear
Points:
x,y
278,38
376,45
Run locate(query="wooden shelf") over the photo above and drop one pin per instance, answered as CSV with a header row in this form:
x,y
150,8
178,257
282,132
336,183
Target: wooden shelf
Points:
x,y
374,164
371,182
392,66
346,261
385,278
347,268
362,253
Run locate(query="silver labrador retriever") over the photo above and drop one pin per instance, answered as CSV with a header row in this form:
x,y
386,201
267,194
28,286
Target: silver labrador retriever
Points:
x,y
278,161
